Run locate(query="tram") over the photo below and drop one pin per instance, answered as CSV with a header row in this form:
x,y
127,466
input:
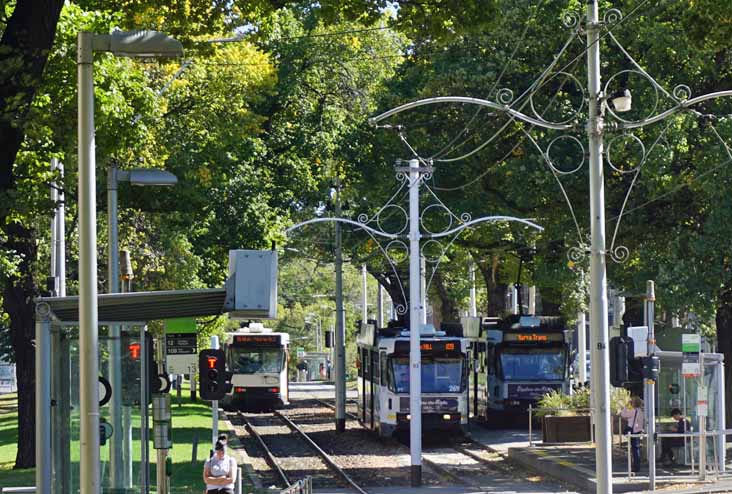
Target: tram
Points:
x,y
383,378
257,359
524,358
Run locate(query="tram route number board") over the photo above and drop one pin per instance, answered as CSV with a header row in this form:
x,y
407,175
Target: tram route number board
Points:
x,y
182,352
181,344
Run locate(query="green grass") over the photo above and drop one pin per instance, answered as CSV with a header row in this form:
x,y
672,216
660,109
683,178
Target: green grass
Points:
x,y
190,420
9,445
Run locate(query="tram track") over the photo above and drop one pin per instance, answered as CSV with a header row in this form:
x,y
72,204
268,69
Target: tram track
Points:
x,y
278,463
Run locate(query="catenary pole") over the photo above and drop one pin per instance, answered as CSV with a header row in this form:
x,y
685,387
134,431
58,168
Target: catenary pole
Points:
x,y
650,388
473,302
116,457
598,279
88,322
582,347
214,403
340,328
415,318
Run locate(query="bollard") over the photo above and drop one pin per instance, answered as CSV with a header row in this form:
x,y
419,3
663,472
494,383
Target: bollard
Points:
x,y
531,436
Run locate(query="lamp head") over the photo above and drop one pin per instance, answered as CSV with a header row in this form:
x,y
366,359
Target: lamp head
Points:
x,y
152,176
144,44
622,100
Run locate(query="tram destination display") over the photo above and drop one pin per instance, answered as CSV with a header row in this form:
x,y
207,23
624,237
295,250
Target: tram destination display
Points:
x,y
255,340
448,347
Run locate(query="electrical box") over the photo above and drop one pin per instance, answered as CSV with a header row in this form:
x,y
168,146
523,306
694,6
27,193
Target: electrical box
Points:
x,y
251,290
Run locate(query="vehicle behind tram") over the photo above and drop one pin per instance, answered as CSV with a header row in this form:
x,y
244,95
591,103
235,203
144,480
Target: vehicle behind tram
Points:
x,y
257,359
383,378
525,357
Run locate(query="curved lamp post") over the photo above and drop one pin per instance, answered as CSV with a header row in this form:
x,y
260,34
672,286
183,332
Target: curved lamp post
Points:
x,y
595,127
131,44
413,178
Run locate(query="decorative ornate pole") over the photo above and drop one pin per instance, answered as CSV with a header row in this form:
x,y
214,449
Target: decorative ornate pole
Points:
x,y
595,126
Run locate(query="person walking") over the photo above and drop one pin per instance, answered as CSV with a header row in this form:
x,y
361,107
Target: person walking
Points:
x,y
219,471
635,420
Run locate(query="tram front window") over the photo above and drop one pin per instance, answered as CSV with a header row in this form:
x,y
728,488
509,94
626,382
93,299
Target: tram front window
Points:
x,y
439,375
255,360
533,364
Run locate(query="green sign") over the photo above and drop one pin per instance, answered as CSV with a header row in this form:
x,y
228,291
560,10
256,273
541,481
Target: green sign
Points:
x,y
181,325
300,352
690,343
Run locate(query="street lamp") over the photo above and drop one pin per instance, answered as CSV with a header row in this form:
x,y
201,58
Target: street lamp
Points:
x,y
121,464
132,44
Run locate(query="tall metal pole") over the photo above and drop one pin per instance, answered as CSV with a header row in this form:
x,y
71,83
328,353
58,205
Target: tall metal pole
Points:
x,y
88,322
415,318
340,326
364,294
473,301
423,289
145,371
214,403
650,388
44,465
380,305
116,457
598,280
126,431
582,347
60,237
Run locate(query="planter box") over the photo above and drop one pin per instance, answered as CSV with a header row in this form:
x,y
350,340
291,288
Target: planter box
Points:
x,y
575,429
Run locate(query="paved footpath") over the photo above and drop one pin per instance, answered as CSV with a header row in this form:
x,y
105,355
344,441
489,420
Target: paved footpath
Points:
x,y
575,464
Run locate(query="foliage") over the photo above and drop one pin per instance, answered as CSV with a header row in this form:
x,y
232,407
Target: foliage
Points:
x,y
570,404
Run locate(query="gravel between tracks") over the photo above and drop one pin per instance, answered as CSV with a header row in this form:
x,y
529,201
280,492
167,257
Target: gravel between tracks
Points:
x,y
370,461
293,454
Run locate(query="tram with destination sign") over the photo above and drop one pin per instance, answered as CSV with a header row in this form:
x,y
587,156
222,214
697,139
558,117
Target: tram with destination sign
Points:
x,y
524,358
257,359
383,378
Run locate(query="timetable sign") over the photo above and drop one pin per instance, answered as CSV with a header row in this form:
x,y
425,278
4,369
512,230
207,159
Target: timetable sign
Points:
x,y
181,344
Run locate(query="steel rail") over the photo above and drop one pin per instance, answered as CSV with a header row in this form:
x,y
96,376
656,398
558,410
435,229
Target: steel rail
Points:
x,y
332,407
323,455
268,456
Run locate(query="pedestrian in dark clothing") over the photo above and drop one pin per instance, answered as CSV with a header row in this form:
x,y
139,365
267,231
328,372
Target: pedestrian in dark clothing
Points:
x,y
669,443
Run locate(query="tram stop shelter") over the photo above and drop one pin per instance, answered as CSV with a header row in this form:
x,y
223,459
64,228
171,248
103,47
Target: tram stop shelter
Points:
x,y
675,390
250,291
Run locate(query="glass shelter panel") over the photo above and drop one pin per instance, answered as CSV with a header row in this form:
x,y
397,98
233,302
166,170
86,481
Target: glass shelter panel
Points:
x,y
66,420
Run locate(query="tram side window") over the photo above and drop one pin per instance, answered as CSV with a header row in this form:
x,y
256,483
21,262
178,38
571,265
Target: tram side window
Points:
x,y
366,362
359,366
382,369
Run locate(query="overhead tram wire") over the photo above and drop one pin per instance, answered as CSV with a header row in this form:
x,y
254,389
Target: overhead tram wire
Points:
x,y
530,91
445,149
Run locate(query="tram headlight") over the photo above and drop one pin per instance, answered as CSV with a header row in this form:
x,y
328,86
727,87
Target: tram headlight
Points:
x,y
409,416
446,416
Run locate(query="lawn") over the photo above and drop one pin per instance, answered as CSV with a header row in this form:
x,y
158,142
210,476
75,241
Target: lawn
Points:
x,y
190,420
9,445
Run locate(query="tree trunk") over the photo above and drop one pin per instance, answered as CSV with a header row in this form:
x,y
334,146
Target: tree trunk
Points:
x,y
390,283
24,48
496,291
18,294
724,346
446,310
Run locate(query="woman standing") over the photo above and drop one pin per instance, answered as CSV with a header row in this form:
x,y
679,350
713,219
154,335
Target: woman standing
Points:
x,y
219,472
635,424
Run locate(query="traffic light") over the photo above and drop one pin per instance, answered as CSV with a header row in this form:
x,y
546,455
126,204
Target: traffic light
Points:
x,y
131,366
212,374
624,367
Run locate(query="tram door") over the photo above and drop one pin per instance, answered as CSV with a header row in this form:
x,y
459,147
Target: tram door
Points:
x,y
374,378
